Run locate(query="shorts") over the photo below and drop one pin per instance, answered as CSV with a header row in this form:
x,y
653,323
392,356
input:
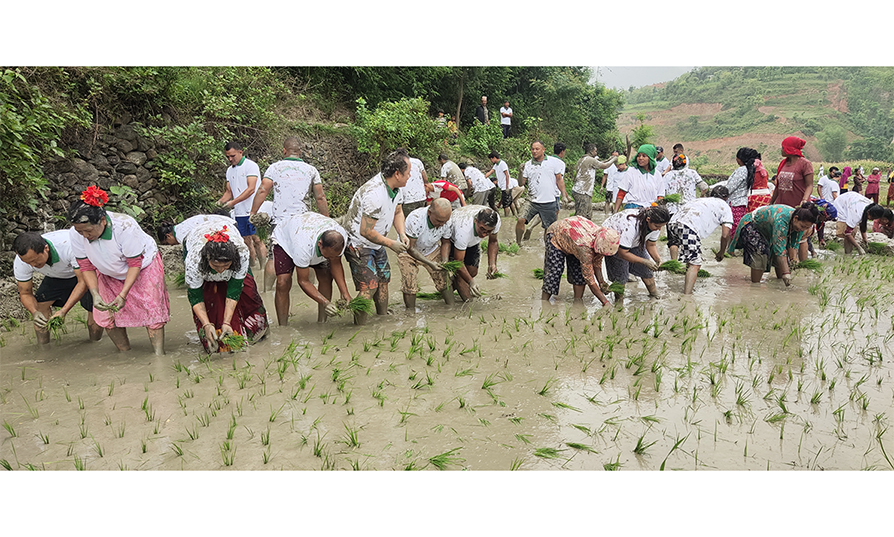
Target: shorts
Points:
x,y
583,204
245,227
58,290
407,208
619,269
688,241
554,261
484,198
409,270
283,264
472,257
506,198
548,212
369,268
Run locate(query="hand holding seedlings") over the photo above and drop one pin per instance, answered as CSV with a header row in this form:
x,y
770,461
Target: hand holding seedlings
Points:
x,y
226,330
118,303
98,302
40,320
210,336
473,288
651,265
399,247
331,310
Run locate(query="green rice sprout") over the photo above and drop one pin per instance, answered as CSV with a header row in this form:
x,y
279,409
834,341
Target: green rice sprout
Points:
x,y
538,273
702,273
445,459
56,326
809,264
452,266
673,198
234,342
617,288
360,304
673,266
180,279
877,248
834,246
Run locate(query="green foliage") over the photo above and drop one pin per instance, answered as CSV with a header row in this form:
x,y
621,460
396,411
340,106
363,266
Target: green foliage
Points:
x,y
481,139
403,123
642,133
124,200
832,142
30,130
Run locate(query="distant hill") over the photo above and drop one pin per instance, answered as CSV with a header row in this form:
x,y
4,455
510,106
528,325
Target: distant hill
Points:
x,y
844,113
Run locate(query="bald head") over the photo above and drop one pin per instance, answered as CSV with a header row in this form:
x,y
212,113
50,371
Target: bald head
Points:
x,y
291,146
439,212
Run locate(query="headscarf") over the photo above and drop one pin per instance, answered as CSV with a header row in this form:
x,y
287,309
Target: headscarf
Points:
x,y
748,156
681,158
606,242
791,146
845,175
621,160
650,151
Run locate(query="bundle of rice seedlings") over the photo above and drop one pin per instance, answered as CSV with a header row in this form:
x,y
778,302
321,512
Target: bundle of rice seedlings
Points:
x,y
428,296
877,248
538,273
360,304
453,266
834,246
809,264
180,279
673,198
617,288
56,326
702,273
674,266
497,274
233,342
507,248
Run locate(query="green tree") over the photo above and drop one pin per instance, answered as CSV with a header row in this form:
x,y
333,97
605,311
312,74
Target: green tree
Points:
x,y
404,123
832,142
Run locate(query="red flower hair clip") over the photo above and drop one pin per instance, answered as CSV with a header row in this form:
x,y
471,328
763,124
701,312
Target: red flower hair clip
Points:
x,y
94,196
218,236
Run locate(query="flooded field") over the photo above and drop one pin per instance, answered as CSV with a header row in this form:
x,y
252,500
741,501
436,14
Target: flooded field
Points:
x,y
738,376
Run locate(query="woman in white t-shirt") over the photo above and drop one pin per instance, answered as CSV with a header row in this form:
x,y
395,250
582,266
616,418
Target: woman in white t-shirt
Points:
x,y
123,270
639,230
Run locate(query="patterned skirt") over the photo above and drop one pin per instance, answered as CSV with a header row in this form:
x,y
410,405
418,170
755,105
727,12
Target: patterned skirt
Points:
x,y
738,212
554,261
757,200
755,248
688,241
249,319
147,302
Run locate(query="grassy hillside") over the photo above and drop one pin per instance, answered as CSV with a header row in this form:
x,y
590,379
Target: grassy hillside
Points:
x,y
845,114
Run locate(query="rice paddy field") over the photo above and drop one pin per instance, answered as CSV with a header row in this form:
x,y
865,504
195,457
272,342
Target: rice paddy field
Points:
x,y
738,376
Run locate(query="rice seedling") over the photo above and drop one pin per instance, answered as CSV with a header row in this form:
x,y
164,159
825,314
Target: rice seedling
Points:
x,y
443,460
227,453
546,387
45,438
808,264
5,464
538,273
360,304
177,449
56,326
516,464
876,248
351,437
79,463
673,198
548,453
618,289
233,343
673,266
641,446
581,447
524,438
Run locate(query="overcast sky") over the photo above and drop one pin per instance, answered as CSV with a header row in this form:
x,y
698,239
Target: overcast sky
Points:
x,y
624,77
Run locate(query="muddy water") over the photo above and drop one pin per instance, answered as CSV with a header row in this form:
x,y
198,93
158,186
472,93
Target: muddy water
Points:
x,y
738,376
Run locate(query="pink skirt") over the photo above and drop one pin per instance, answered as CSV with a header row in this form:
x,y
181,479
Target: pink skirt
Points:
x,y
738,212
147,302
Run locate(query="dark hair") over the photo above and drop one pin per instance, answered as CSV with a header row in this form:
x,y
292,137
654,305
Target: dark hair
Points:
x,y
833,169
748,156
29,241
487,217
443,156
493,154
719,191
332,239
589,147
558,148
219,251
162,231
83,213
677,146
874,210
463,165
395,162
233,145
807,212
658,215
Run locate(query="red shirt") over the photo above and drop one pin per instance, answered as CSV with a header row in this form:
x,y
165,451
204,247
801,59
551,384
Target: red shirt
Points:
x,y
790,182
446,194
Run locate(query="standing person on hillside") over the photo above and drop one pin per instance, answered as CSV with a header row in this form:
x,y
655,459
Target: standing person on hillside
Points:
x,y
222,293
481,113
243,180
414,192
501,175
122,268
641,185
451,173
682,180
429,230
693,224
294,184
661,162
738,183
303,242
505,119
585,180
50,254
483,191
858,180
558,162
539,177
374,210
610,179
872,184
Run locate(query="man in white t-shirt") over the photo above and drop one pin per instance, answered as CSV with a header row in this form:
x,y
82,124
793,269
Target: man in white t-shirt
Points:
x,y
414,192
505,119
50,254
483,191
303,242
539,176
374,210
662,164
501,178
585,181
451,173
829,189
429,229
610,178
692,224
243,180
471,224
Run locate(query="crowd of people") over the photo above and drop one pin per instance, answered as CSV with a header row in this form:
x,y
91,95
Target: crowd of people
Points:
x,y
114,269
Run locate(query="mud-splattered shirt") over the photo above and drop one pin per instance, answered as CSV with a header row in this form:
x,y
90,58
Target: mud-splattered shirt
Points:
x,y
479,182
123,239
299,234
628,228
451,172
183,229
463,236
541,180
374,199
428,237
195,279
683,182
737,184
704,215
293,181
585,180
60,263
415,190
850,206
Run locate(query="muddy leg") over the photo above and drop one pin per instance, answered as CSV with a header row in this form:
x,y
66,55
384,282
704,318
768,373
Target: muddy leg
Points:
x,y
281,298
325,288
381,299
43,334
119,338
269,276
157,338
447,295
579,293
410,301
756,275
519,230
689,283
674,250
650,285
94,331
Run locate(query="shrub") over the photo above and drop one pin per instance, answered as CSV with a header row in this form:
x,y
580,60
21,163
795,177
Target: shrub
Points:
x,y
481,139
393,124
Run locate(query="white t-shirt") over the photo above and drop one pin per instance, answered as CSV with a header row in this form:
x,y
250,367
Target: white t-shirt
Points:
x,y
183,229
628,228
703,215
829,187
661,165
109,255
293,181
850,206
415,189
479,182
502,169
451,172
642,188
463,234
541,181
238,176
684,182
299,234
558,169
504,120
428,237
611,174
194,244
373,200
60,264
